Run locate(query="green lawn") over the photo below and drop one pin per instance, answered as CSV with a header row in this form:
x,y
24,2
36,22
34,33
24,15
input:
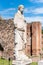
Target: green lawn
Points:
x,y
34,63
6,62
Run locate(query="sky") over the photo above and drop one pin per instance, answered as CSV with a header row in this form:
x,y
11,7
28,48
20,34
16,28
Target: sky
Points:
x,y
33,9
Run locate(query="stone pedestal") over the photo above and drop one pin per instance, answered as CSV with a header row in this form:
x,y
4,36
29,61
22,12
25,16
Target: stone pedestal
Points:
x,y
21,62
40,62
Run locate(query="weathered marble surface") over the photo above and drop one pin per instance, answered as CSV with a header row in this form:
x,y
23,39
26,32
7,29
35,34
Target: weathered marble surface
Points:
x,y
22,62
40,62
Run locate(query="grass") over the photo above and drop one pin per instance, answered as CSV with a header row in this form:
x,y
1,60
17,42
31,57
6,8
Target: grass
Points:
x,y
6,62
34,63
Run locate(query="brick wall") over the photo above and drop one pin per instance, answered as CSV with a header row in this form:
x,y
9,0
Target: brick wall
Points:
x,y
36,38
28,45
34,34
7,37
42,41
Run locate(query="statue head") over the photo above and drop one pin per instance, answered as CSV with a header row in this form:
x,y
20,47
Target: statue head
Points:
x,y
21,8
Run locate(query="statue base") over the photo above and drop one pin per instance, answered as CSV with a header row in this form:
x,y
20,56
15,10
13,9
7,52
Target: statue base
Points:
x,y
21,62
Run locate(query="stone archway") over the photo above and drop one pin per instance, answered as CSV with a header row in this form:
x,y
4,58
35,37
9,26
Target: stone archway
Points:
x,y
1,48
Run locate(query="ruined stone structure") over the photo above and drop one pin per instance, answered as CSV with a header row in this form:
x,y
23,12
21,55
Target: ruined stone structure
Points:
x,y
7,38
33,38
28,45
42,41
33,45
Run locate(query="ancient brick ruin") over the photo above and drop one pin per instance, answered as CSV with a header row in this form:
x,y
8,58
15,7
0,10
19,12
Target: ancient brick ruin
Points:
x,y
34,38
33,46
7,37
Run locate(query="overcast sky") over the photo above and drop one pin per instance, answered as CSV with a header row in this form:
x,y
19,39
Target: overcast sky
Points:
x,y
33,9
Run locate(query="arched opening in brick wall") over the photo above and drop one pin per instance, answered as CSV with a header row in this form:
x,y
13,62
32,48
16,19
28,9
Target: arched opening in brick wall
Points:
x,y
1,50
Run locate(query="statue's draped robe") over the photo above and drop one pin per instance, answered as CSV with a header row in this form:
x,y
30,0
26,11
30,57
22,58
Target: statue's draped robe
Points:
x,y
20,35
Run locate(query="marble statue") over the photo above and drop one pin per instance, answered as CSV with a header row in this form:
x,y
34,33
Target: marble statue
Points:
x,y
20,35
